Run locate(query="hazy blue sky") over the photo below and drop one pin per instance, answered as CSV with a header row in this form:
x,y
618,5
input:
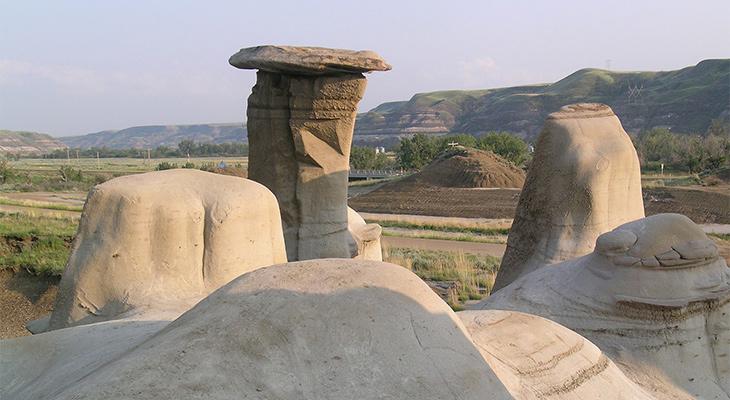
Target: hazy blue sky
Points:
x,y
74,67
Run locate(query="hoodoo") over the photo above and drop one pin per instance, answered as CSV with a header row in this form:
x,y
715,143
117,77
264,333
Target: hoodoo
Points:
x,y
301,117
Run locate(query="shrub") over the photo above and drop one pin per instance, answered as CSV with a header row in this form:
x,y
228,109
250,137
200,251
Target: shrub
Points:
x,y
165,165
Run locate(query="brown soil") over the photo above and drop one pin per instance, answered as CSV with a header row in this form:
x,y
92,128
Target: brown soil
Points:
x,y
704,205
468,168
442,202
23,298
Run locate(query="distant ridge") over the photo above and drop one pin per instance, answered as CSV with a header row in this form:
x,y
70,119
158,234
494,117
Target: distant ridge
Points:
x,y
20,142
152,136
686,100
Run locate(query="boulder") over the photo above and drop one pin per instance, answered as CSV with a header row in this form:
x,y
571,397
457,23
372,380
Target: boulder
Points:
x,y
584,180
164,240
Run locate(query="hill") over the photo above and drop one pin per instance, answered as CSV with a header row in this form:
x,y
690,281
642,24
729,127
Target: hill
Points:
x,y
18,142
152,136
686,100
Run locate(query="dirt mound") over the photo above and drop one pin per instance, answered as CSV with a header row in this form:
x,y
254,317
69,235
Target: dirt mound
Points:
x,y
469,168
447,187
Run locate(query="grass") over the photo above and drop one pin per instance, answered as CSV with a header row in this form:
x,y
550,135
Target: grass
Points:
x,y
40,245
722,236
436,235
445,228
39,204
471,276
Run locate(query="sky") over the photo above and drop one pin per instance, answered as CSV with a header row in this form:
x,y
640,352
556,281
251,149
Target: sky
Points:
x,y
75,67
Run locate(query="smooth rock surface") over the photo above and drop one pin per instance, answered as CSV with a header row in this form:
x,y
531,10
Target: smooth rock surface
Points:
x,y
365,238
308,60
321,329
662,319
584,180
164,240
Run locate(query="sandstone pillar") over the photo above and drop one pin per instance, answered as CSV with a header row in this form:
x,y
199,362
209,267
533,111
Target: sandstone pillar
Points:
x,y
584,180
301,117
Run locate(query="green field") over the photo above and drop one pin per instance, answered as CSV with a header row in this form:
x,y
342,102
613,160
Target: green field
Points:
x,y
116,165
81,174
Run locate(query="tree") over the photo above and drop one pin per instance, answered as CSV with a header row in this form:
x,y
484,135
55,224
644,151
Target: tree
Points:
x,y
417,151
368,158
506,145
186,147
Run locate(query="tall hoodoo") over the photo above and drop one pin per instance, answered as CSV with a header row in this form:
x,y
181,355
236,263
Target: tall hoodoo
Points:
x,y
301,116
584,180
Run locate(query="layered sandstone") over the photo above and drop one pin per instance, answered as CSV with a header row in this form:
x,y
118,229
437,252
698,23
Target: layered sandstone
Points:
x,y
301,116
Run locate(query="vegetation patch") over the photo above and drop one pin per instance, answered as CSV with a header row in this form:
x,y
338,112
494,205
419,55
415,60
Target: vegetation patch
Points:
x,y
40,245
456,276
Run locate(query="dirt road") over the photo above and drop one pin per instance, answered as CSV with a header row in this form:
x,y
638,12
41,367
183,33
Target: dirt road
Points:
x,y
489,249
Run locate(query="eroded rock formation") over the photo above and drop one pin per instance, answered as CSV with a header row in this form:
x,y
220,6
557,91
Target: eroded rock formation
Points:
x,y
536,358
163,240
301,116
654,296
584,180
320,329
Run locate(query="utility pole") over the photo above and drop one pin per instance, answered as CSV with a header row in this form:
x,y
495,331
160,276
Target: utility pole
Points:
x,y
68,156
98,164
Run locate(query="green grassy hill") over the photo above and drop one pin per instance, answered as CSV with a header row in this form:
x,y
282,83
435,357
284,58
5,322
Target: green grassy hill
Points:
x,y
686,100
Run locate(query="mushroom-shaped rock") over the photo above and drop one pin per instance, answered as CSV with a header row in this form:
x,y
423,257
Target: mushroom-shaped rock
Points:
x,y
164,240
584,180
301,116
654,296
536,358
320,329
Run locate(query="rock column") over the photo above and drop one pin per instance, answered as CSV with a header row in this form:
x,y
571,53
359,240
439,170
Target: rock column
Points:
x,y
301,117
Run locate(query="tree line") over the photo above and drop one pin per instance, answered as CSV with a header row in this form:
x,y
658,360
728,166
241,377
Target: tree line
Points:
x,y
184,149
682,152
420,149
676,151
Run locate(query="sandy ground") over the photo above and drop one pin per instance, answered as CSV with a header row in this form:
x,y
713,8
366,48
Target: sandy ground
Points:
x,y
23,298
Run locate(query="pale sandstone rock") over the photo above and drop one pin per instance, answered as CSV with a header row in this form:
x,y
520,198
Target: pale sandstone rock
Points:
x,y
663,321
308,60
300,129
164,240
584,180
536,358
321,329
365,238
